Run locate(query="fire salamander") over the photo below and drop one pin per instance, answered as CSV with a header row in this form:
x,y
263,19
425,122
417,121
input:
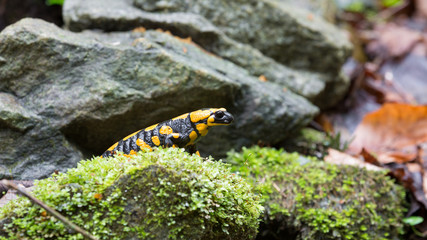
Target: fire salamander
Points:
x,y
183,131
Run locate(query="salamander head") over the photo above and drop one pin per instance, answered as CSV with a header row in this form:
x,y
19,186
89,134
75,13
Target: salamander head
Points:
x,y
219,116
212,116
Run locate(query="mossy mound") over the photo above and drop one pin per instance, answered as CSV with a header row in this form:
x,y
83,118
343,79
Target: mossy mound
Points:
x,y
164,194
309,199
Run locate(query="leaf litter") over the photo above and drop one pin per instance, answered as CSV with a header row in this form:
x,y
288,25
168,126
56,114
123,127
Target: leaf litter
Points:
x,y
384,114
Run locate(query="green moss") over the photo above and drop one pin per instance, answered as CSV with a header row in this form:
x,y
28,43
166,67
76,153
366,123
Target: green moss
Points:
x,y
322,201
164,194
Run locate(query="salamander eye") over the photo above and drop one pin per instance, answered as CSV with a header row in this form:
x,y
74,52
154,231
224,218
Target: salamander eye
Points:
x,y
219,114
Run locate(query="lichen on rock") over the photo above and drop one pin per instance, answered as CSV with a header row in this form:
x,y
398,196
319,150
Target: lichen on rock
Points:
x,y
309,199
164,194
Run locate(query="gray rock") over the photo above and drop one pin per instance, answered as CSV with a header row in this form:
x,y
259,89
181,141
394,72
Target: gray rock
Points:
x,y
324,8
277,34
30,148
277,29
84,91
13,115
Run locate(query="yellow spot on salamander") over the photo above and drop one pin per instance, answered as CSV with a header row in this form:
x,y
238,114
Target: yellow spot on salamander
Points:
x,y
199,115
151,127
193,136
211,121
183,116
130,135
175,135
131,153
112,147
165,130
202,128
142,144
198,153
155,140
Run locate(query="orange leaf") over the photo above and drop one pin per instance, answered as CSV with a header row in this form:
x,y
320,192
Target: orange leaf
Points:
x,y
393,126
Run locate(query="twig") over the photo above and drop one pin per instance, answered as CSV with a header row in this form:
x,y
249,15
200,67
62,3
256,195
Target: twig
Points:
x,y
279,190
48,209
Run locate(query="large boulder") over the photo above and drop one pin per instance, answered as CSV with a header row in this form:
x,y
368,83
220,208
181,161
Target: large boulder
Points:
x,y
165,194
74,94
273,39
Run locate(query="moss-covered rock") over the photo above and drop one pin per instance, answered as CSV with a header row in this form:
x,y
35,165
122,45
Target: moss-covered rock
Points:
x,y
164,194
309,199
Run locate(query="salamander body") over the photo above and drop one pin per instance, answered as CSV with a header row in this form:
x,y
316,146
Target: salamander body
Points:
x,y
182,131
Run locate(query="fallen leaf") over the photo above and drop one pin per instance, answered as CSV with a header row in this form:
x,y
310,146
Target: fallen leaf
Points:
x,y
393,39
369,158
323,121
409,76
413,167
340,158
421,7
410,180
398,157
393,126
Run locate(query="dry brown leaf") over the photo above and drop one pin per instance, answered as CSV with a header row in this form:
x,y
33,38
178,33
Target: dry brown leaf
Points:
x,y
398,157
411,181
340,158
323,120
421,7
393,126
369,158
394,39
413,167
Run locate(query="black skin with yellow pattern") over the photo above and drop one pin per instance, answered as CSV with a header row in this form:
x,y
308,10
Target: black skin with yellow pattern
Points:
x,y
183,131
